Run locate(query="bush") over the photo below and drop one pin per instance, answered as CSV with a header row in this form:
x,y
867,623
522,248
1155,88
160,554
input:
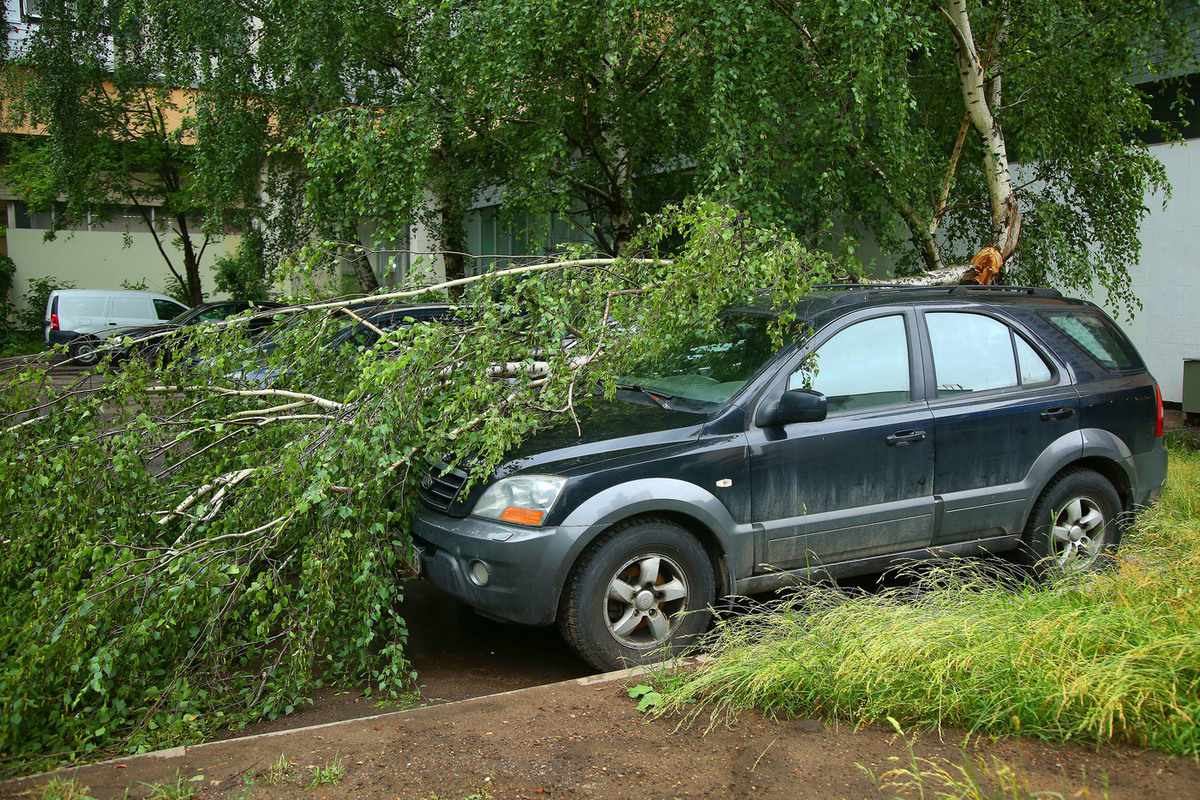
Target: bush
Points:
x,y
33,316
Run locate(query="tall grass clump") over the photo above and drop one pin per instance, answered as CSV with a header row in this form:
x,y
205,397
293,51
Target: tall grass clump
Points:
x,y
1112,657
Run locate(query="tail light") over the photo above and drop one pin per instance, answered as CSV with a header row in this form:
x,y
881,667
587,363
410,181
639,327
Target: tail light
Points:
x,y
54,322
1158,423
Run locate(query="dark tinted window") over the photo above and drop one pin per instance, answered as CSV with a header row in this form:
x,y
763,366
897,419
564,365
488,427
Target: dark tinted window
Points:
x,y
1097,335
167,310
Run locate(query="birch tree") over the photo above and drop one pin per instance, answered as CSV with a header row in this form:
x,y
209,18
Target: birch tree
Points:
x,y
903,121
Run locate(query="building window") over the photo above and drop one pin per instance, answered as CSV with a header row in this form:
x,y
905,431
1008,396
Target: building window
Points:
x,y
495,244
32,9
115,219
119,219
392,260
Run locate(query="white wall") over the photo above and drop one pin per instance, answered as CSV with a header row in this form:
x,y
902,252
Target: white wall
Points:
x,y
100,260
1167,279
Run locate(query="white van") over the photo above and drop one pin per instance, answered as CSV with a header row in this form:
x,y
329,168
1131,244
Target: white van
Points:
x,y
86,317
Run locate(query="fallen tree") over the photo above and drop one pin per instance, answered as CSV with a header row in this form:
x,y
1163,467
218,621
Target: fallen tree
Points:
x,y
184,551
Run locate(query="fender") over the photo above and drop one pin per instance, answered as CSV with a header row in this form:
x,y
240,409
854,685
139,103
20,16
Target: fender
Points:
x,y
646,497
1070,449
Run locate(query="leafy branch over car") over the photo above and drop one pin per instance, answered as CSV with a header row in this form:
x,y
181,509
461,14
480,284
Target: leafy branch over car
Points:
x,y
134,634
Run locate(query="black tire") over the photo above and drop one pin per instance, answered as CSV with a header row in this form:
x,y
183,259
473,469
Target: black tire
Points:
x,y
85,352
1075,525
662,586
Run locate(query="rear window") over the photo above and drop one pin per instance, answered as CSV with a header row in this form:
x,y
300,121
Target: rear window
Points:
x,y
1098,336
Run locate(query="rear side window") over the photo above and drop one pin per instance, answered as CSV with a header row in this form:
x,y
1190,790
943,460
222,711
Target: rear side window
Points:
x,y
129,307
976,353
1098,336
85,306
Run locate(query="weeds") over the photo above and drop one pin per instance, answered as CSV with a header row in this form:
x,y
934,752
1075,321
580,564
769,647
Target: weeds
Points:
x,y
484,793
58,789
972,780
279,772
181,789
1109,657
328,775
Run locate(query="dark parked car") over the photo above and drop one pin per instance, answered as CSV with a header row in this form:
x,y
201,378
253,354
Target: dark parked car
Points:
x,y
154,341
902,423
376,316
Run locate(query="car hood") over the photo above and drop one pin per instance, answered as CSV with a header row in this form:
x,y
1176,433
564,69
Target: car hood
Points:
x,y
607,429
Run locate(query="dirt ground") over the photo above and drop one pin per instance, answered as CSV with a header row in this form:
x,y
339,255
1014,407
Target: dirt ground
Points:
x,y
585,738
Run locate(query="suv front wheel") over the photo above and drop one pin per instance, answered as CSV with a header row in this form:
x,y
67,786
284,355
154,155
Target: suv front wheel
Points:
x,y
1074,525
639,593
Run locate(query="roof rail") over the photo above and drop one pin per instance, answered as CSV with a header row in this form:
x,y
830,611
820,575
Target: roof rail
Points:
x,y
857,290
1032,291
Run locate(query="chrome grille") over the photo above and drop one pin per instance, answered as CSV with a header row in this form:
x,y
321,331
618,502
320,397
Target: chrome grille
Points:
x,y
440,485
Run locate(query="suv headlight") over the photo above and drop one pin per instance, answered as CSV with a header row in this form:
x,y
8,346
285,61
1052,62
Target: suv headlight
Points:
x,y
524,499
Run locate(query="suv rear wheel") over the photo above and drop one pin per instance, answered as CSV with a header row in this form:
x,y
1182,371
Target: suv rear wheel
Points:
x,y
1074,525
639,593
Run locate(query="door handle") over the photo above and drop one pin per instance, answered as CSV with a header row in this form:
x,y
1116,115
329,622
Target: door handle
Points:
x,y
1055,414
905,438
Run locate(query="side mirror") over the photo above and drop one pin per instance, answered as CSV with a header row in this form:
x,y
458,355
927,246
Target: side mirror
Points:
x,y
795,405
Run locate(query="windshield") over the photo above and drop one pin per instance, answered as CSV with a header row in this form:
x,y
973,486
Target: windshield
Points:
x,y
182,318
710,366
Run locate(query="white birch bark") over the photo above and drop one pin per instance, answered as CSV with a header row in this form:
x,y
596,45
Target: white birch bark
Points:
x,y
980,97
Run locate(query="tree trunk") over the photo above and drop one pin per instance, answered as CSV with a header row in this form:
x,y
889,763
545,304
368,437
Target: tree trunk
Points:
x,y
981,96
191,263
360,263
452,241
368,282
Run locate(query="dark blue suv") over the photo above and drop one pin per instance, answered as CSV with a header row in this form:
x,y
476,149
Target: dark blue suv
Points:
x,y
902,423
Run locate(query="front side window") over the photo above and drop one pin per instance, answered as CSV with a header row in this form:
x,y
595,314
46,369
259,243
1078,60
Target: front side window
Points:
x,y
864,366
166,310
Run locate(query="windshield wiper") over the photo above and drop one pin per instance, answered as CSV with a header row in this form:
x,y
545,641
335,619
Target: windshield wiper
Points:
x,y
660,399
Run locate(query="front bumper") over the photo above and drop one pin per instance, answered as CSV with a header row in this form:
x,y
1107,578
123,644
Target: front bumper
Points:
x,y
526,565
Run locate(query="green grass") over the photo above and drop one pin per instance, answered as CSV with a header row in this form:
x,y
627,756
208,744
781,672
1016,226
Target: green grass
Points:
x,y
59,789
1108,658
974,779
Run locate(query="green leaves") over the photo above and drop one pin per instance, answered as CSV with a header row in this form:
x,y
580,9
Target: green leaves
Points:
x,y
252,542
646,696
